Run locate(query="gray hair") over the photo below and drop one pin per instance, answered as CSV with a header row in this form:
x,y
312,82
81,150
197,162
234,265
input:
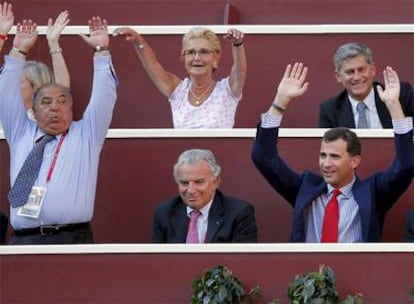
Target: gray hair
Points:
x,y
351,50
38,94
193,156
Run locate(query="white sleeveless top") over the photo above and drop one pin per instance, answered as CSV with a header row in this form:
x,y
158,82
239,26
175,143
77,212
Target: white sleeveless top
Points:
x,y
217,111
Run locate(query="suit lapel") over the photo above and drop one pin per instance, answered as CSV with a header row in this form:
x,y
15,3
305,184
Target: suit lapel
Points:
x,y
345,113
362,196
179,223
215,217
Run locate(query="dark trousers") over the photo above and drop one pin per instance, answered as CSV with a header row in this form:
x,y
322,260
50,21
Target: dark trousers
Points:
x,y
79,236
4,221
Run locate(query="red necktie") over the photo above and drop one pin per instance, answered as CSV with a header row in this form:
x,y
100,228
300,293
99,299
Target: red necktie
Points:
x,y
331,220
192,234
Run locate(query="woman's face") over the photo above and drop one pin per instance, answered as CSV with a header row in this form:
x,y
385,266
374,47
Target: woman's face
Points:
x,y
199,57
26,90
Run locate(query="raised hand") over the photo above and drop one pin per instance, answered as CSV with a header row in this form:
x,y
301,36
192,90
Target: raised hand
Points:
x,y
234,36
54,30
6,18
292,84
26,35
391,93
98,33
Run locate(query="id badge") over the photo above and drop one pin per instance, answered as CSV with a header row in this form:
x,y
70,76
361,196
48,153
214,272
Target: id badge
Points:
x,y
34,203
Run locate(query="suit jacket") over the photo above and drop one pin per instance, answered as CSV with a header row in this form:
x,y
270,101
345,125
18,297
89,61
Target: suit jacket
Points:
x,y
229,220
337,111
374,195
409,226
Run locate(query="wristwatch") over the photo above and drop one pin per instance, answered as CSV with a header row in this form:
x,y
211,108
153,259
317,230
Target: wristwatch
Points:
x,y
100,48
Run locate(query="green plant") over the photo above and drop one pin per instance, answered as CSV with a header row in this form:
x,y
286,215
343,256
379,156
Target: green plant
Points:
x,y
219,285
318,288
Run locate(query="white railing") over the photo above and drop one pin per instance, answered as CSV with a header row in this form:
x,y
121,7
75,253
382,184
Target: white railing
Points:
x,y
206,248
252,29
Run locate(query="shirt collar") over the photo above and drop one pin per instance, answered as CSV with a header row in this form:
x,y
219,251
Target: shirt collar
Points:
x,y
203,210
345,190
369,101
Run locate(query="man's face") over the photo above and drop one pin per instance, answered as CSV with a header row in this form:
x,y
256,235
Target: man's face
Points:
x,y
53,110
196,184
337,166
357,76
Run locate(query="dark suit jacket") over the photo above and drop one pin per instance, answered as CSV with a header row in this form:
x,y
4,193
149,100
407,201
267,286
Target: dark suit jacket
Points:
x,y
230,220
4,221
374,196
337,111
409,226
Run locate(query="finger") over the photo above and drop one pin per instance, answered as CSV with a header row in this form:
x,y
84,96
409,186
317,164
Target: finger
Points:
x,y
33,28
294,70
298,71
303,75
104,24
8,8
287,71
380,90
62,16
18,27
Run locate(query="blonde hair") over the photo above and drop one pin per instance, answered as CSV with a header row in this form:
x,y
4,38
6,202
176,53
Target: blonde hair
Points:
x,y
38,74
202,32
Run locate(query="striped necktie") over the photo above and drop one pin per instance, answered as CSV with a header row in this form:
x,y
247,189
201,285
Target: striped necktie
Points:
x,y
362,117
23,184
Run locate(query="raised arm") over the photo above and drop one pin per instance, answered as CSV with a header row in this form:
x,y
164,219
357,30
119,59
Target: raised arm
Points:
x,y
391,93
165,81
292,85
98,37
24,40
53,33
239,69
6,21
98,114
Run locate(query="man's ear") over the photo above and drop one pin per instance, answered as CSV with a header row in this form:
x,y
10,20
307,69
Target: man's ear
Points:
x,y
217,181
338,76
355,161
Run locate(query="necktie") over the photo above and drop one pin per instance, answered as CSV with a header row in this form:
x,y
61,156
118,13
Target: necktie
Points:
x,y
331,219
28,174
192,234
362,118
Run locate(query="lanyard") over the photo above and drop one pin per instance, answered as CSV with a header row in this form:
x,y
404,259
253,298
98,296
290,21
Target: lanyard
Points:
x,y
52,165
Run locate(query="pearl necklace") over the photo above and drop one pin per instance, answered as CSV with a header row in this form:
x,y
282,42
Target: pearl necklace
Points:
x,y
202,95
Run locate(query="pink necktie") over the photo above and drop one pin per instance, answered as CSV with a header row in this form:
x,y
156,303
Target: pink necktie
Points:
x,y
192,234
331,220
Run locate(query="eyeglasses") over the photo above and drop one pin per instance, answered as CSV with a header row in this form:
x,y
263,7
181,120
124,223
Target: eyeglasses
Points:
x,y
203,53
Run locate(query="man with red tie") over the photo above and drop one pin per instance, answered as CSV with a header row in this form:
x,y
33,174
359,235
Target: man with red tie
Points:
x,y
335,206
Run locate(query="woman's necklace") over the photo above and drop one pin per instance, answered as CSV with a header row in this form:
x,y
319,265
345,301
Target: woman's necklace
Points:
x,y
200,97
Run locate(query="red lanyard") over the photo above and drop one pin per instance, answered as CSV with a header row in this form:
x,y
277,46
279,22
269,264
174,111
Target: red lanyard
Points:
x,y
52,165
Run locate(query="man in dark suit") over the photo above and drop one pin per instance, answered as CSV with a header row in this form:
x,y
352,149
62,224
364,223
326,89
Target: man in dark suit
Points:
x,y
361,205
220,219
355,70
